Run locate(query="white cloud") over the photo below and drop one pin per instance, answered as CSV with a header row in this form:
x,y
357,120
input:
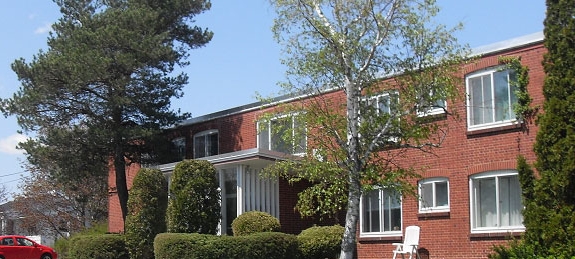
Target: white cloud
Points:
x,y
8,144
43,29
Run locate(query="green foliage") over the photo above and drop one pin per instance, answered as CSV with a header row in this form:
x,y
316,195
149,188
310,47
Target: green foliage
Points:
x,y
320,242
109,246
109,68
146,212
62,245
269,245
194,204
255,222
522,108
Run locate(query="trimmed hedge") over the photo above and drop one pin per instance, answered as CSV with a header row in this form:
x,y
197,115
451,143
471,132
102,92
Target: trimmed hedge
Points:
x,y
109,246
269,245
146,212
320,242
194,205
255,222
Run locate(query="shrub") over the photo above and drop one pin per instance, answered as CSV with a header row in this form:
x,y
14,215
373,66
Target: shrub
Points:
x,y
146,217
62,245
269,245
109,246
255,222
320,242
194,205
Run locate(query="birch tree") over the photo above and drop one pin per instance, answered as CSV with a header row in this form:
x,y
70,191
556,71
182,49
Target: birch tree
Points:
x,y
394,64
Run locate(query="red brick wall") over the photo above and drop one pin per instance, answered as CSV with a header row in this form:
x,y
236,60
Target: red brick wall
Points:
x,y
448,235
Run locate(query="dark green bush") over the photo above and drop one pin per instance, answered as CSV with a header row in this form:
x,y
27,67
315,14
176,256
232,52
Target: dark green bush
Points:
x,y
194,205
62,245
109,246
270,245
320,242
146,212
255,222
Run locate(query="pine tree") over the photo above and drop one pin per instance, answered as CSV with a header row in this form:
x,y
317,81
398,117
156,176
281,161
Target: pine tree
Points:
x,y
109,67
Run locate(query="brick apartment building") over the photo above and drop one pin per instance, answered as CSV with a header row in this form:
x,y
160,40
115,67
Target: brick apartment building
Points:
x,y
470,193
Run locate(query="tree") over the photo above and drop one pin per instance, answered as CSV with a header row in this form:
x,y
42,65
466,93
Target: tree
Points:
x,y
109,68
146,212
52,208
194,205
549,201
362,48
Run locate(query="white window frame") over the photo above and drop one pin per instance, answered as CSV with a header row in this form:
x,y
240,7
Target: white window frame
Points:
x,y
511,99
375,100
426,110
433,182
395,231
474,206
180,145
269,132
205,134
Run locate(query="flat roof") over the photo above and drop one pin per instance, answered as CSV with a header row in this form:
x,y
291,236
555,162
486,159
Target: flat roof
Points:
x,y
505,45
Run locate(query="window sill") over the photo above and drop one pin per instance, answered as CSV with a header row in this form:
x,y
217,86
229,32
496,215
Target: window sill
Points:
x,y
367,239
517,126
504,235
433,215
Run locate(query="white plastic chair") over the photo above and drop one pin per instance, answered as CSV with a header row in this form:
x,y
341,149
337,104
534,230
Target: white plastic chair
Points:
x,y
410,243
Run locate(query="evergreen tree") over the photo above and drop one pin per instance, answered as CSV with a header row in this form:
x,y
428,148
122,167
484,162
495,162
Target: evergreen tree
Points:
x,y
549,217
109,68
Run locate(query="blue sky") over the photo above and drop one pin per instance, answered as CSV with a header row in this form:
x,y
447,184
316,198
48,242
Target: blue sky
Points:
x,y
241,59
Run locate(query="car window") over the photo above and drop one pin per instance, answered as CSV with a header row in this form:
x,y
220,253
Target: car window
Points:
x,y
7,241
24,242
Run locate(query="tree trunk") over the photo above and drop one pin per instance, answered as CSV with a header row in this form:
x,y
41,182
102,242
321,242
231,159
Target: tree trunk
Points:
x,y
121,183
354,165
351,219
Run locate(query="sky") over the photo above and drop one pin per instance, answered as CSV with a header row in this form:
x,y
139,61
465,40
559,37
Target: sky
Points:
x,y
241,60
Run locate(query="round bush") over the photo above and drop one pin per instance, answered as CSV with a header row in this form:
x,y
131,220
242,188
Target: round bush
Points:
x,y
255,222
321,242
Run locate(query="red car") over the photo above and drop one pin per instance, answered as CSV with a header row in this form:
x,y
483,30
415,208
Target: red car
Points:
x,y
21,247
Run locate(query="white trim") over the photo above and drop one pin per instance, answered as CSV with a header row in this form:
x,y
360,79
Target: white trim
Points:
x,y
487,71
473,206
390,233
204,134
434,208
293,116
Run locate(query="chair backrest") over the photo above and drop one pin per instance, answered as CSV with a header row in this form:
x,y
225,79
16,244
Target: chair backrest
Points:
x,y
411,238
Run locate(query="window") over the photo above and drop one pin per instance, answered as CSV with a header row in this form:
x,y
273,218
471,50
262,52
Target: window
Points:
x,y
180,147
283,134
378,113
434,195
429,104
229,192
206,144
380,213
496,202
491,98
384,103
